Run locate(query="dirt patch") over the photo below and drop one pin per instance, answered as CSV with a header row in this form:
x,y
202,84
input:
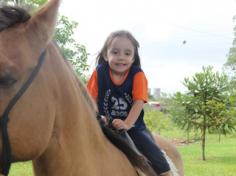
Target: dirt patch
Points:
x,y
181,142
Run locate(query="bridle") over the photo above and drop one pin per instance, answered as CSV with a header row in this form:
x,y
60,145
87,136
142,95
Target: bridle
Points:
x,y
6,148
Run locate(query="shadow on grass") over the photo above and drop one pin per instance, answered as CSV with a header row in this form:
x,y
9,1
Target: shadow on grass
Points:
x,y
227,160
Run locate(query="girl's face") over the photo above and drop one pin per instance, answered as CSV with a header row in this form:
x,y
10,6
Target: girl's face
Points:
x,y
120,55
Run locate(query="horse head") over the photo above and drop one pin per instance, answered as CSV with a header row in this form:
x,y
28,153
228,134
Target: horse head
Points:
x,y
22,40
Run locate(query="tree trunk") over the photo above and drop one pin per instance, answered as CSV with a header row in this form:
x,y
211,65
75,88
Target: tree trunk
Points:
x,y
219,137
204,139
188,137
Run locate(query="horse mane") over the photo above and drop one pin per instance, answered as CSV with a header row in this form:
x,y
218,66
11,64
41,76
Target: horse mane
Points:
x,y
137,160
11,15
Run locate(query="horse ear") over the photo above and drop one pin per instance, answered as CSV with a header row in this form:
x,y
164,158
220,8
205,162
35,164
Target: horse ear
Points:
x,y
40,27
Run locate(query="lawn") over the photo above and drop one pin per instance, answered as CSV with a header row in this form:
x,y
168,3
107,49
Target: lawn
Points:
x,y
220,157
21,169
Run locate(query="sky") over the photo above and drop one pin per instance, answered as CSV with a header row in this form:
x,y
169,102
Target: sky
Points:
x,y
177,37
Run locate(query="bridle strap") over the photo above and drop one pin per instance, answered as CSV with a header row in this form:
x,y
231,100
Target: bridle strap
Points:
x,y
6,148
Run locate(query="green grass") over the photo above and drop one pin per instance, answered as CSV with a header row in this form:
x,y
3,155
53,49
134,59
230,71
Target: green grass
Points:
x,y
220,157
21,169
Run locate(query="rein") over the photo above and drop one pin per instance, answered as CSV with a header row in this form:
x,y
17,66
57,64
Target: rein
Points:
x,y
6,148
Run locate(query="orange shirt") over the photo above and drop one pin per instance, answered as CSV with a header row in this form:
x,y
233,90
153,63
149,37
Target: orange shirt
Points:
x,y
140,86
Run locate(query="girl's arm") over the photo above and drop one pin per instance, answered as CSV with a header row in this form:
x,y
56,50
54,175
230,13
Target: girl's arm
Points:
x,y
132,117
140,96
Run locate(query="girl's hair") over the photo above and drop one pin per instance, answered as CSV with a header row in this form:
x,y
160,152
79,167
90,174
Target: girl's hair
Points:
x,y
121,33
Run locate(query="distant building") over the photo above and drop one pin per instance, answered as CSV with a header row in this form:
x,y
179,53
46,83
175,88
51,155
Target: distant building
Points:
x,y
155,104
155,92
150,91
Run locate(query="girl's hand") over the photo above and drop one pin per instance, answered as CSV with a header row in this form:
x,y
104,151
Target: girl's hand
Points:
x,y
120,124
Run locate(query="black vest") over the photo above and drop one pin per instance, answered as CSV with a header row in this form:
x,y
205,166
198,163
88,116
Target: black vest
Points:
x,y
116,101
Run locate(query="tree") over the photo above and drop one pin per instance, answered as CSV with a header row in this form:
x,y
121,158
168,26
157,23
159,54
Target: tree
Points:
x,y
230,65
28,3
221,117
231,60
178,110
206,104
76,53
155,120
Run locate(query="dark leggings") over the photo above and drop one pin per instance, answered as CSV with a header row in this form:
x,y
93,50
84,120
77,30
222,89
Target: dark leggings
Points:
x,y
146,145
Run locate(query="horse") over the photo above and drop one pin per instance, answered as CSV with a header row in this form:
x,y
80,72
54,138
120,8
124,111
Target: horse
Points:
x,y
172,154
47,116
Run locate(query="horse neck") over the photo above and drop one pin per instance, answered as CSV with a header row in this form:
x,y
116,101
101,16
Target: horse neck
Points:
x,y
76,136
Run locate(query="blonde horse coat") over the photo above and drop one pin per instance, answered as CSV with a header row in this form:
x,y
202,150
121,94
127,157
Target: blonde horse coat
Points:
x,y
53,123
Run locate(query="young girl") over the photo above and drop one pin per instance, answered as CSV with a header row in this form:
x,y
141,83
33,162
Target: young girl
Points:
x,y
119,87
